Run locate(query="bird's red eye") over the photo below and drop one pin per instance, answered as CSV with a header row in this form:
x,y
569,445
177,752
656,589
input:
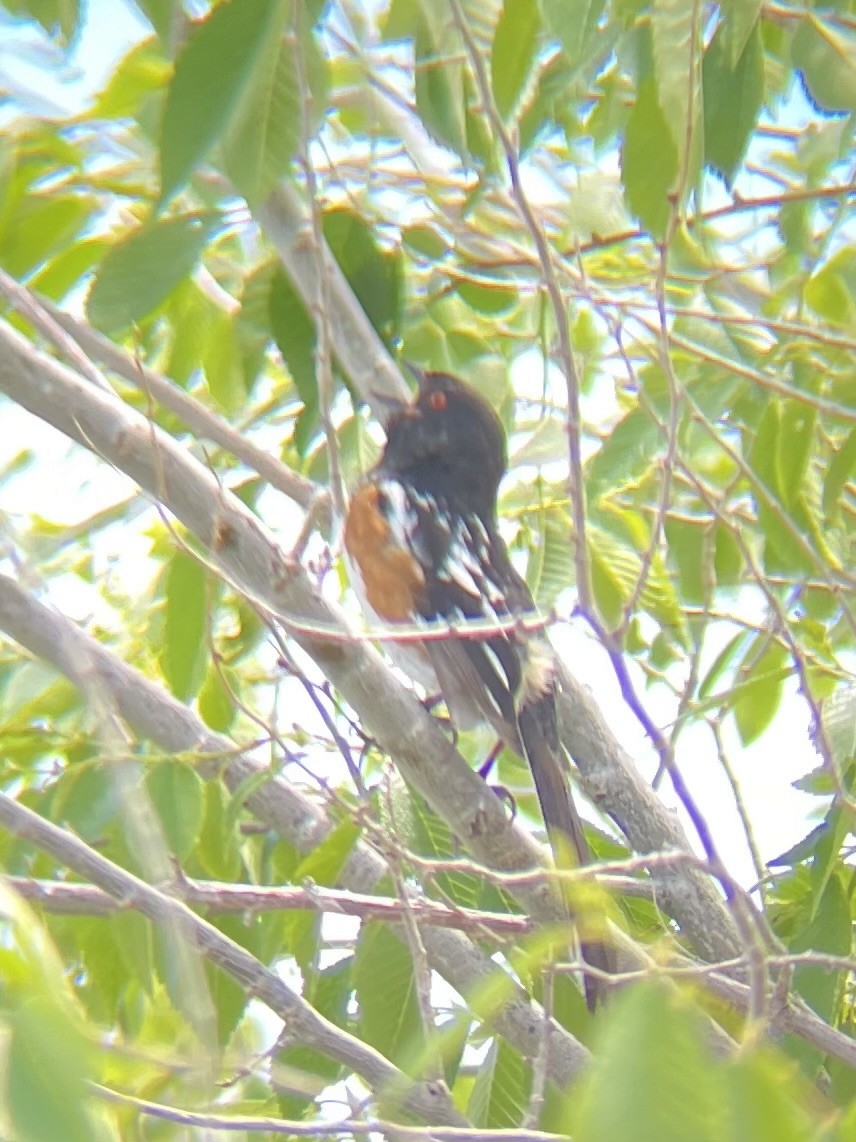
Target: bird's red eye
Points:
x,y
437,401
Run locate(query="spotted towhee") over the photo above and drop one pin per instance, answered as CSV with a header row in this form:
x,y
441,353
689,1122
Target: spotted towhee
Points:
x,y
423,537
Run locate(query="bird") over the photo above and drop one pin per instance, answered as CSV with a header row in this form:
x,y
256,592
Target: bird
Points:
x,y
422,538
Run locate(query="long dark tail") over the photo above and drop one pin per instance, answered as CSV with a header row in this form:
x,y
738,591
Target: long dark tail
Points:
x,y
540,739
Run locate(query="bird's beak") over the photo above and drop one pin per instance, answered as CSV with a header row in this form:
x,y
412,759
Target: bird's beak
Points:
x,y
392,404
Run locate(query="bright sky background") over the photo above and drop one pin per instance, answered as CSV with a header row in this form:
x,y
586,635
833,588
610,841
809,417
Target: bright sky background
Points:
x,y
765,770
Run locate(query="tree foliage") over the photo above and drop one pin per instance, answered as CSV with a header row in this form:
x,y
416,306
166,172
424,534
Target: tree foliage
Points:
x,y
223,815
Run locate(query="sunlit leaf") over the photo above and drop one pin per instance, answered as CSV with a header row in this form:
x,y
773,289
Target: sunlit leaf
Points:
x,y
652,1076
211,78
501,1091
733,95
829,930
385,983
739,19
177,796
825,55
513,51
439,85
760,1100
186,624
649,161
140,271
140,73
266,133
760,681
841,469
676,44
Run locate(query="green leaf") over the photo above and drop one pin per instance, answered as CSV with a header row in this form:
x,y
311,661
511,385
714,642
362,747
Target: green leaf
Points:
x,y
161,16
649,161
185,649
606,587
399,20
439,83
782,529
224,369
490,300
615,568
831,290
211,77
294,334
825,54
840,471
739,20
651,1076
728,558
177,794
48,1059
625,456
218,847
85,798
324,865
797,424
216,699
733,97
690,550
142,71
433,838
512,56
550,569
385,984
266,132
301,1074
500,1094
759,1100
64,271
48,1067
676,45
40,225
545,444
51,14
829,930
228,998
193,316
426,240
145,267
829,838
758,689
576,23
374,274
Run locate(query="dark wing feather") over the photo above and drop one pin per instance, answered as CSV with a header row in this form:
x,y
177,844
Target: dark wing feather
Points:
x,y
483,678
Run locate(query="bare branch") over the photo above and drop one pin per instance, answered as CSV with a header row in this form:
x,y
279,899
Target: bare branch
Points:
x,y
64,898
297,1128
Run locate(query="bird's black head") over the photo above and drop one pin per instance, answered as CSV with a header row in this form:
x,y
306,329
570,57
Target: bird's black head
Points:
x,y
448,442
